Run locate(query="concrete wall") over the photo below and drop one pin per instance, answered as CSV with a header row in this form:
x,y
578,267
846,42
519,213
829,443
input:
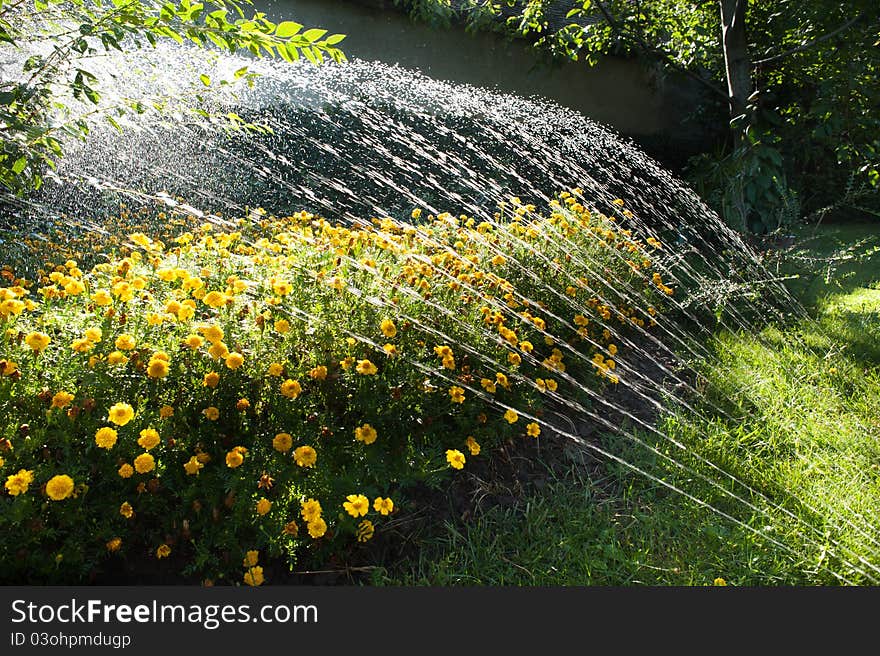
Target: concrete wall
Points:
x,y
617,92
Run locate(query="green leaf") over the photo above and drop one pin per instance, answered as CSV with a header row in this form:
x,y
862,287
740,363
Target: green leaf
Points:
x,y
19,165
288,28
334,39
206,80
314,34
310,55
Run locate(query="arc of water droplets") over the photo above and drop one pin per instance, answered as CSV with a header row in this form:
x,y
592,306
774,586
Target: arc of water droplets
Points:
x,y
297,312
518,119
596,396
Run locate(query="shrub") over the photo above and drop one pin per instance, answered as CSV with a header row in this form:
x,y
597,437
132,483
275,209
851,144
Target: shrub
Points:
x,y
270,388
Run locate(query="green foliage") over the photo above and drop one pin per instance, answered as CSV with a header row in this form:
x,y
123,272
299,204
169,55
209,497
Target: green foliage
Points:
x,y
34,109
747,187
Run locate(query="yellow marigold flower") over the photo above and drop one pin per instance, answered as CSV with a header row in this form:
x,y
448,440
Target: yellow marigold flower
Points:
x,y
102,298
125,471
388,328
282,326
234,458
251,558
74,288
125,342
291,529
498,260
488,385
218,350
318,373
62,400
551,384
346,362
612,349
356,505
502,380
149,439
105,437
123,291
37,341
366,368
305,456
457,394
193,341
59,487
234,360
144,463
365,434
212,413
310,510
473,446
254,576
126,510
8,367
291,388
242,404
192,466
383,506
163,551
455,458
214,299
416,213
157,367
94,334
390,349
276,369
212,333
120,414
365,530
317,527
114,544
526,347
719,581
81,345
511,416
281,287
514,359
166,411
18,483
263,506
117,357
186,311
282,442
211,379
533,430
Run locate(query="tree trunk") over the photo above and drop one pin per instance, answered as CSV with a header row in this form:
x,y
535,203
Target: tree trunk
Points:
x,y
737,65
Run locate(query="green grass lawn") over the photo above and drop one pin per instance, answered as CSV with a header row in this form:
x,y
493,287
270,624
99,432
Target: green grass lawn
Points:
x,y
800,433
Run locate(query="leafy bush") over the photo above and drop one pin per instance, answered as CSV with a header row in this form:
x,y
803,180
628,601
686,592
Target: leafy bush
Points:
x,y
273,386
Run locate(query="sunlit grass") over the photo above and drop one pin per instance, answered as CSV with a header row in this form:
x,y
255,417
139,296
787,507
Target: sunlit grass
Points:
x,y
801,438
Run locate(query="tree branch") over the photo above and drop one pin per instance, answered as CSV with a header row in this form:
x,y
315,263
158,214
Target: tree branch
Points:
x,y
814,42
647,48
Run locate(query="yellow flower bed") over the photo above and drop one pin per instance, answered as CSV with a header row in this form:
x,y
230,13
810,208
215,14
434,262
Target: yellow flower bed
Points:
x,y
273,389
